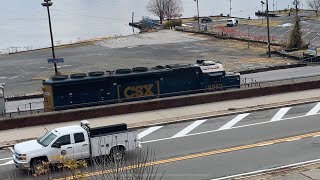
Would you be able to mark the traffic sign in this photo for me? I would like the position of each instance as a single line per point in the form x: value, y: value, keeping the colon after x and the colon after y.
x: 55, y: 60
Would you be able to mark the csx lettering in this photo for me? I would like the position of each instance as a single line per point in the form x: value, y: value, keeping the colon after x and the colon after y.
x: 215, y: 86
x: 138, y: 91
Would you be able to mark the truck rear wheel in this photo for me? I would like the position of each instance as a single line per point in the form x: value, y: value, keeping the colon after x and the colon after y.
x: 117, y: 153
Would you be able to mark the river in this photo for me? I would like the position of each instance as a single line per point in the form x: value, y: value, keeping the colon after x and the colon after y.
x: 24, y: 24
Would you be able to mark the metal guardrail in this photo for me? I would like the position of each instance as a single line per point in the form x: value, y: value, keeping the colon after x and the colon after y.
x: 250, y: 82
x: 21, y: 113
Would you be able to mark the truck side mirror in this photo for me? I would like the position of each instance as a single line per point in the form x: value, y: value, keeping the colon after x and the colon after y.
x: 56, y: 145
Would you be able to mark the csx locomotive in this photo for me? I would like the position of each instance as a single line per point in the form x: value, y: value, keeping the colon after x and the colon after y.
x: 139, y: 83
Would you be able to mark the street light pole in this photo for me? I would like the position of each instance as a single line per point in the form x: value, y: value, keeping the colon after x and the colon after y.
x: 48, y: 3
x: 273, y: 5
x: 296, y: 2
x: 230, y: 9
x: 269, y: 48
x: 198, y: 15
x: 262, y: 3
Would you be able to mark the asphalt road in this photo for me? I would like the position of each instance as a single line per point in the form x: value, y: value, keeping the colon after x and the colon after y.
x: 201, y: 149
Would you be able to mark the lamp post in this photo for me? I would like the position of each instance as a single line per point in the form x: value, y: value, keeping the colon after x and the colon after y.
x: 262, y: 3
x: 48, y: 3
x: 273, y: 5
x: 198, y: 14
x: 230, y: 9
x: 269, y: 48
x: 248, y: 36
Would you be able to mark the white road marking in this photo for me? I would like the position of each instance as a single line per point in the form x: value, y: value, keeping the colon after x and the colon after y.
x: 279, y: 115
x: 314, y: 37
x: 234, y: 121
x: 3, y: 77
x: 7, y: 163
x: 186, y: 130
x: 5, y: 158
x: 13, y: 77
x: 67, y: 65
x: 310, y: 31
x: 314, y: 110
x: 148, y: 131
x: 289, y: 29
x: 11, y: 149
x: 237, y: 127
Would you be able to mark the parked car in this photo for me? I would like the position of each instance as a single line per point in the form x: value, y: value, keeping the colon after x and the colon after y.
x: 206, y: 20
x: 76, y: 142
x: 232, y: 22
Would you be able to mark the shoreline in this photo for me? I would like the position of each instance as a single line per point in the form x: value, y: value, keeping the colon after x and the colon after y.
x: 78, y: 43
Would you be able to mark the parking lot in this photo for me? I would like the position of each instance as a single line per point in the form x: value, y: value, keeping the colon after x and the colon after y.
x: 256, y: 29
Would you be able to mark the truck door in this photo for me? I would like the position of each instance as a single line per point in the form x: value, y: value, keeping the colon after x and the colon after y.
x: 66, y: 148
x: 81, y: 146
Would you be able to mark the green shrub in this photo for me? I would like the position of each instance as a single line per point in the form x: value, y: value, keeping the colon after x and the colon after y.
x: 172, y: 23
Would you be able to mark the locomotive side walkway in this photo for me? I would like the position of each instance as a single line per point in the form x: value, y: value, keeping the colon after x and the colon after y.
x: 174, y: 115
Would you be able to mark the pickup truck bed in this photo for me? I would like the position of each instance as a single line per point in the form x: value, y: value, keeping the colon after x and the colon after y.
x: 101, y: 131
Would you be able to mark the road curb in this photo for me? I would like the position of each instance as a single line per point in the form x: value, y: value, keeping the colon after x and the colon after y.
x: 180, y: 119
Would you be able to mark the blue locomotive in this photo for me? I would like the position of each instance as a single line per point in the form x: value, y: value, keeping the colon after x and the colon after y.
x: 139, y: 83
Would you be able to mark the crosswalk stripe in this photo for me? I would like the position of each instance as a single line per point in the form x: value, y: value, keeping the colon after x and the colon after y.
x: 148, y: 131
x: 189, y: 128
x: 5, y: 158
x: 279, y: 115
x: 234, y: 121
x: 314, y: 110
x: 7, y: 163
x: 13, y: 77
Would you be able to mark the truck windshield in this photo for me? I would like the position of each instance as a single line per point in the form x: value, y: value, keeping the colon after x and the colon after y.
x: 46, y: 139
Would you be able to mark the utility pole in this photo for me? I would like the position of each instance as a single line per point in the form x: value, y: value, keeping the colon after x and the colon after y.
x: 296, y: 2
x: 230, y: 9
x: 269, y: 48
x: 47, y: 4
x: 198, y: 15
x: 248, y: 36
x: 273, y: 5
x: 262, y: 3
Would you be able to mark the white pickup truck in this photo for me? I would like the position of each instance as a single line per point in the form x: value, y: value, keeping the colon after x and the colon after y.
x: 76, y: 142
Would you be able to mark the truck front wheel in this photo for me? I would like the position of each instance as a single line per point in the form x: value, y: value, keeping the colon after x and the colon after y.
x: 35, y: 163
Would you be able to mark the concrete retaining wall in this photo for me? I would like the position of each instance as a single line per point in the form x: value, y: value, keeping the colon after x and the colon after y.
x: 155, y: 104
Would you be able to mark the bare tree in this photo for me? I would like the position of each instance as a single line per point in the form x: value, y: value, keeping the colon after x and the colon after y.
x: 314, y: 5
x: 173, y: 9
x: 165, y: 8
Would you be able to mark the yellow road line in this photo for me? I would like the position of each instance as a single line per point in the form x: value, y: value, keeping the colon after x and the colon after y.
x: 204, y: 154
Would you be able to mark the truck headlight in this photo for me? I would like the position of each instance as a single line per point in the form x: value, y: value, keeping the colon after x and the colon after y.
x: 22, y: 157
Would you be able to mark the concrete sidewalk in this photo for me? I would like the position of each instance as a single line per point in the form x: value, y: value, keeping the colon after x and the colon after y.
x: 176, y: 114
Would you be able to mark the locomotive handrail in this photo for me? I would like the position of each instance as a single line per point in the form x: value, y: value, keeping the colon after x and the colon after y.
x: 106, y: 102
